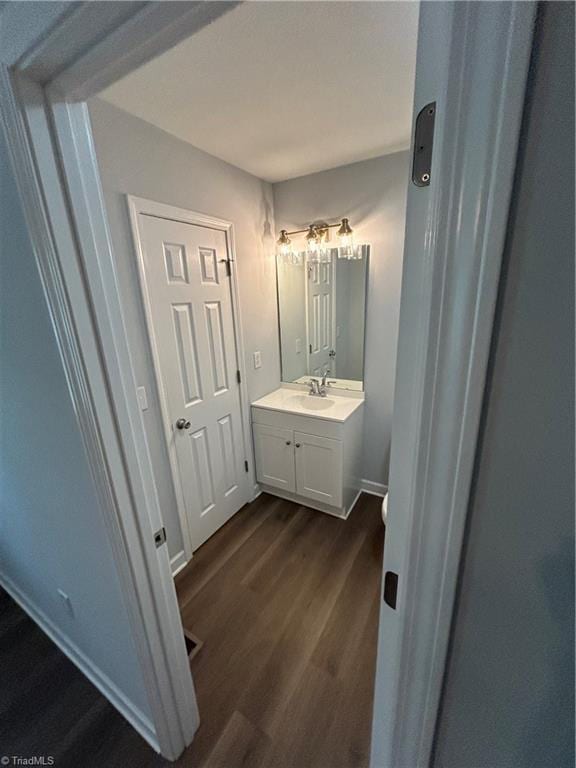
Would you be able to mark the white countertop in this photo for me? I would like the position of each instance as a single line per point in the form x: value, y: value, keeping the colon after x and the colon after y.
x: 333, y: 407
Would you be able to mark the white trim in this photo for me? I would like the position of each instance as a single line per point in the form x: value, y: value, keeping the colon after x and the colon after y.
x: 136, y: 207
x: 97, y: 677
x: 178, y: 562
x: 120, y: 478
x: 151, y: 30
x: 373, y: 488
x: 455, y: 233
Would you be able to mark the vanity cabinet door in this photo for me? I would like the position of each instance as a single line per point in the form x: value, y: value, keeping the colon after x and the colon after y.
x: 274, y: 449
x: 319, y: 468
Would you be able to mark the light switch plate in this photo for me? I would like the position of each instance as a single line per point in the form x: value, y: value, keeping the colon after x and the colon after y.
x: 257, y: 359
x: 298, y: 346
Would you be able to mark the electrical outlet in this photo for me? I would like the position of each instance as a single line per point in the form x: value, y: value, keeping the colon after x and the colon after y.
x: 257, y: 359
x: 66, y: 601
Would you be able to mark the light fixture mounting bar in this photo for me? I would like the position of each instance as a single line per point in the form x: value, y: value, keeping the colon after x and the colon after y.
x: 319, y: 226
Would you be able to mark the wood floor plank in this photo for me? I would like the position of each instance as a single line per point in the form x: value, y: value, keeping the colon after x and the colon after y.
x: 274, y: 612
x: 239, y: 745
x: 341, y: 643
x: 287, y: 602
x: 300, y: 742
x: 214, y: 554
x: 306, y: 618
x: 347, y: 742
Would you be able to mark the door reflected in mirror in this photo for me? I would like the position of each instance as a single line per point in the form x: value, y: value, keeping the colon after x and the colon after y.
x: 322, y: 310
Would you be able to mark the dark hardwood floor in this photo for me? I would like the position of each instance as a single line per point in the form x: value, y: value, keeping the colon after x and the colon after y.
x: 285, y: 600
x: 48, y: 708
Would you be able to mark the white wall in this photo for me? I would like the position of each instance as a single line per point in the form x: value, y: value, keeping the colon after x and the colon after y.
x: 372, y: 194
x: 509, y: 691
x: 52, y: 533
x: 137, y: 158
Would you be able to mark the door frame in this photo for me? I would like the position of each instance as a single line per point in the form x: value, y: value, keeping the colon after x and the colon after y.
x: 140, y: 205
x: 55, y: 58
x: 52, y: 59
x: 473, y: 62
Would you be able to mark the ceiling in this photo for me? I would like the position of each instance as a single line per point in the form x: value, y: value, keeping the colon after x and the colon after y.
x: 284, y: 89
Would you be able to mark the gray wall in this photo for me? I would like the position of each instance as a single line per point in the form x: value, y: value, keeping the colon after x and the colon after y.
x: 52, y: 533
x: 373, y: 195
x: 137, y: 158
x: 292, y: 319
x: 350, y: 318
x: 509, y: 689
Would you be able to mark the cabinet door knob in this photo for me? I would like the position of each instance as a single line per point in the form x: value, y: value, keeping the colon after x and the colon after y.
x: 288, y: 442
x: 297, y: 445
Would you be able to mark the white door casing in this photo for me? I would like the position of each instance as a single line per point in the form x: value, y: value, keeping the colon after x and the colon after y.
x: 320, y: 301
x: 186, y: 284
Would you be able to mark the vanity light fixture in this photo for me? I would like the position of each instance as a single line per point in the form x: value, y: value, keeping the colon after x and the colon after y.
x: 317, y: 243
x: 346, y: 249
x: 283, y: 243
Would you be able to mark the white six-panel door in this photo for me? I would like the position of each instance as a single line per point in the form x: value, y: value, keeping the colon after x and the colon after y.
x: 191, y: 324
x: 320, y: 318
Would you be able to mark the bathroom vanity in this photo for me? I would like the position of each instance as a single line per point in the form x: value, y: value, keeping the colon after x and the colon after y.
x: 308, y: 448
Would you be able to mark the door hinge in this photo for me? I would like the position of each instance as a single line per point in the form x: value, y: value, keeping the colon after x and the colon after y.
x: 227, y: 267
x: 310, y: 348
x: 245, y: 465
x: 390, y: 588
x: 238, y: 377
x: 423, y: 142
x: 160, y: 537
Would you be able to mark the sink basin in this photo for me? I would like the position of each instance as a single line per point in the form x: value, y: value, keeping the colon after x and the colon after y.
x: 312, y: 403
x: 336, y: 407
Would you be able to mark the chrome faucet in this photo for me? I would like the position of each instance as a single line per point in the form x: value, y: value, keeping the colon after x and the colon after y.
x: 314, y: 387
x: 317, y: 388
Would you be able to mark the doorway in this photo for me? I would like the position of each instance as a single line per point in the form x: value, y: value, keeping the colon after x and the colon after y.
x: 50, y: 135
x: 186, y: 279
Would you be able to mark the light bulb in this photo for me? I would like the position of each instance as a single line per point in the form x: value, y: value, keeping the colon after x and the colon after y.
x: 284, y: 244
x: 346, y: 240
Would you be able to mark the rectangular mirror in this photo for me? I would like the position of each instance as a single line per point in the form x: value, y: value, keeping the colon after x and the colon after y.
x: 322, y: 309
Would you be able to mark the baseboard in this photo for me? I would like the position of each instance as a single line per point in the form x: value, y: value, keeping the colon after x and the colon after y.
x: 178, y: 562
x: 376, y: 489
x: 97, y: 677
x: 303, y: 501
x: 256, y: 491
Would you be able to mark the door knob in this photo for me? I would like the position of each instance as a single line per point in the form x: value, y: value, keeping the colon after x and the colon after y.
x: 288, y: 442
x: 183, y: 424
x: 297, y: 445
